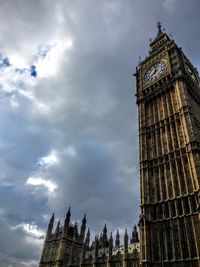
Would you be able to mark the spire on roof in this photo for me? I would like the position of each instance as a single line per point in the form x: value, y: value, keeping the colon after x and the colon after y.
x: 50, y: 226
x: 160, y: 32
x: 68, y: 215
x: 87, y: 239
x: 104, y: 237
x: 110, y: 242
x: 117, y: 240
x: 58, y: 227
x: 75, y: 229
x: 159, y: 25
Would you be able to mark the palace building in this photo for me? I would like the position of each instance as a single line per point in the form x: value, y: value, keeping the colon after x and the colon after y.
x: 168, y: 98
x: 66, y: 246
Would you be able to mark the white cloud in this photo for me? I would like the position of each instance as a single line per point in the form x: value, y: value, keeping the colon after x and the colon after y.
x: 17, y: 80
x: 49, y: 64
x: 18, y: 61
x: 31, y: 229
x: 27, y: 94
x: 49, y: 160
x: 37, y: 181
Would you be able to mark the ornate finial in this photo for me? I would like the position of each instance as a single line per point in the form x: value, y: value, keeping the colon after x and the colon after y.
x: 159, y: 25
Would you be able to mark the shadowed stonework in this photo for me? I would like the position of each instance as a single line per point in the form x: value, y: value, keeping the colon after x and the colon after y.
x: 168, y: 98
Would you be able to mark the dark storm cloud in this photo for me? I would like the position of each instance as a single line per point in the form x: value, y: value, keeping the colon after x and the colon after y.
x: 71, y: 138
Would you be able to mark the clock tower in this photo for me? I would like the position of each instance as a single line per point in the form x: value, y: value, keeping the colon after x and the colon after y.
x: 168, y: 98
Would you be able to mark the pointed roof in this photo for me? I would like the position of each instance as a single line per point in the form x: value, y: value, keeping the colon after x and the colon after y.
x: 159, y: 34
x: 88, y: 232
x: 135, y: 237
x: 117, y: 239
x: 52, y: 219
x: 75, y: 229
x: 68, y: 214
x: 58, y: 227
x: 111, y: 241
x: 84, y: 219
x: 105, y: 229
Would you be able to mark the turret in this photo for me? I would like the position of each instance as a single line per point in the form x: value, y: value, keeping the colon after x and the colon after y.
x: 125, y: 243
x: 75, y: 230
x: 110, y: 246
x: 57, y: 228
x: 87, y: 239
x: 135, y: 238
x: 50, y: 227
x: 101, y: 240
x: 67, y: 221
x: 105, y: 236
x: 96, y: 249
x: 83, y: 226
x: 117, y: 240
x: 86, y: 245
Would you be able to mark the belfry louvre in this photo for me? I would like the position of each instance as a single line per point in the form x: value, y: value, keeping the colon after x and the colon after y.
x: 168, y: 98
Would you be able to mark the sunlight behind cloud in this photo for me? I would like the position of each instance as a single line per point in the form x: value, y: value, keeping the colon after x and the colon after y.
x: 37, y: 181
x: 18, y: 61
x: 48, y: 65
x: 31, y: 229
x: 48, y: 160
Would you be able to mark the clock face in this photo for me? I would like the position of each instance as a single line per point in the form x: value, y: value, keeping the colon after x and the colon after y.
x: 155, y: 71
x: 191, y: 72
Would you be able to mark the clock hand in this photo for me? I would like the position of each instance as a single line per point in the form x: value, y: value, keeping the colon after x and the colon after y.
x: 155, y: 70
x: 152, y: 72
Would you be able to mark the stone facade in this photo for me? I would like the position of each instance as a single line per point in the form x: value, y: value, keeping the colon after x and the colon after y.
x: 66, y: 247
x: 168, y: 98
x: 63, y: 247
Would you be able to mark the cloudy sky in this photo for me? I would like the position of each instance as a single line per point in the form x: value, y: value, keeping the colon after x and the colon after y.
x: 68, y: 118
